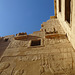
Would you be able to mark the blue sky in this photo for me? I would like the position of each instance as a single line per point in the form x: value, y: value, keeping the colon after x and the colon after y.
x: 24, y: 15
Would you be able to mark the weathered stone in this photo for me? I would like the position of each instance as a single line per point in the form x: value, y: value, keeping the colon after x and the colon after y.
x: 19, y: 72
x: 3, y: 66
x: 54, y: 55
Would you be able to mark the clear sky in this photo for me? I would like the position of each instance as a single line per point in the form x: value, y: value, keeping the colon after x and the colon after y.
x: 24, y: 15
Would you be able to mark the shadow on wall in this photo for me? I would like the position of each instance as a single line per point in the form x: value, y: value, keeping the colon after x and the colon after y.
x: 3, y: 45
x: 26, y: 38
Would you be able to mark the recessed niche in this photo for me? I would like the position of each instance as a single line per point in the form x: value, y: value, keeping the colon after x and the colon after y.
x: 6, y: 39
x: 67, y: 10
x: 59, y: 5
x: 35, y: 42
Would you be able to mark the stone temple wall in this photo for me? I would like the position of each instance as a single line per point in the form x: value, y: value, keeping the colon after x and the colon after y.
x: 52, y: 55
x: 45, y: 52
x: 69, y: 28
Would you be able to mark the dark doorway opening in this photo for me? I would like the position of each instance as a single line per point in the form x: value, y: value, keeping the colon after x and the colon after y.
x: 6, y: 39
x: 67, y: 10
x: 59, y: 5
x: 35, y: 42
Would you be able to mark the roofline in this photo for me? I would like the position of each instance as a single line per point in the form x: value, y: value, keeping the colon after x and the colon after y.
x: 55, y: 10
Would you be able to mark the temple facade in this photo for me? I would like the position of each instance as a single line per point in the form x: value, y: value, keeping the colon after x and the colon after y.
x: 65, y: 13
x: 50, y: 51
